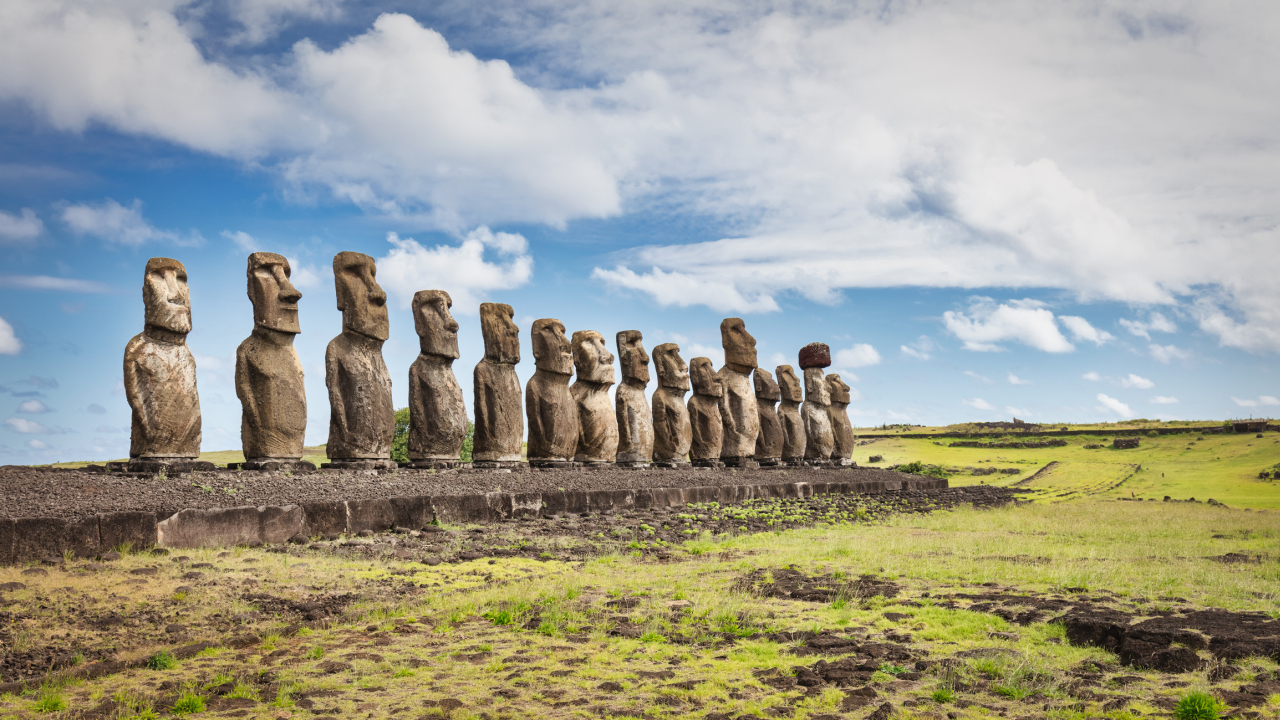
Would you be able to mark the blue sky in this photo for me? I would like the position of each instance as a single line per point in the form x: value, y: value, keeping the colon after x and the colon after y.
x: 1063, y: 213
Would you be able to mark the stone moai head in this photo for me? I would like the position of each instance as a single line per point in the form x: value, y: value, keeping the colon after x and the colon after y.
x: 274, y: 298
x: 739, y: 346
x: 166, y: 296
x: 672, y: 372
x: 705, y: 379
x: 591, y: 358
x: 789, y: 385
x: 551, y: 349
x: 766, y: 388
x: 635, y: 361
x: 361, y: 300
x: 436, y: 328
x: 837, y: 390
x: 501, y: 336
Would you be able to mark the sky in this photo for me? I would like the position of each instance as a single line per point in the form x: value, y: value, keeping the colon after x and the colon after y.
x: 1064, y: 212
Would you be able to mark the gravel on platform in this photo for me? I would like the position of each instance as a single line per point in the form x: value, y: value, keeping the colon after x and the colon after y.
x: 43, y: 492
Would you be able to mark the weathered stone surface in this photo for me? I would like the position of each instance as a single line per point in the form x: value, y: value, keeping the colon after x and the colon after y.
x: 841, y: 428
x: 815, y: 355
x: 437, y: 412
x: 362, y: 419
x: 704, y: 412
x: 635, y: 420
x: 499, y: 424
x: 738, y: 410
x: 550, y: 407
x: 672, y: 432
x: 597, y: 424
x: 819, y: 439
x: 324, y: 518
x: 159, y: 370
x: 770, y: 441
x: 39, y: 538
x: 136, y: 529
x: 269, y: 377
x: 792, y: 393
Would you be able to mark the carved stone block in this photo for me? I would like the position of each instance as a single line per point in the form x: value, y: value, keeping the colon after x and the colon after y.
x: 269, y: 377
x: 841, y: 428
x: 362, y: 421
x: 819, y: 439
x: 549, y: 406
x: 704, y: 414
x: 793, y: 437
x: 499, y: 424
x: 738, y: 410
x: 635, y: 420
x: 437, y: 410
x: 770, y: 442
x: 597, y: 422
x: 672, y: 432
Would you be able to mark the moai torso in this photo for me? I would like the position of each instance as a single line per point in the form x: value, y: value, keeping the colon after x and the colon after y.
x: 770, y: 441
x: 597, y: 424
x: 362, y: 422
x: 269, y: 378
x: 635, y: 421
x: 792, y: 393
x: 549, y: 406
x: 437, y: 411
x: 738, y: 411
x: 819, y: 440
x: 704, y: 411
x: 499, y: 430
x: 672, y: 433
x: 841, y: 428
x: 159, y: 370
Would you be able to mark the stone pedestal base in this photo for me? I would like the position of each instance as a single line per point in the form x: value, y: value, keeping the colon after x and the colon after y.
x: 549, y: 464
x: 771, y: 463
x: 793, y: 461
x: 632, y: 464
x: 670, y: 464
x: 499, y: 465
x: 436, y: 465
x: 360, y: 464
x: 273, y: 465
x: 715, y: 463
x: 843, y: 463
x: 597, y: 465
x: 817, y: 463
x: 744, y: 463
x: 168, y: 466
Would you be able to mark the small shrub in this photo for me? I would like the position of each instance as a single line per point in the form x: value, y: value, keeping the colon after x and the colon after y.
x: 315, y: 653
x: 163, y: 660
x: 1198, y: 706
x: 500, y: 617
x: 876, y: 458
x: 943, y: 695
x: 50, y: 700
x: 188, y: 703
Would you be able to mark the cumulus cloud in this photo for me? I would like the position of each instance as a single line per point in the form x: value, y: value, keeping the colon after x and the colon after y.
x: 33, y: 407
x: 1082, y: 331
x: 987, y: 323
x: 21, y: 227
x: 9, y: 342
x: 30, y: 427
x: 113, y: 222
x: 1155, y: 323
x: 461, y: 270
x: 860, y: 355
x: 1015, y: 380
x: 980, y: 378
x: 978, y: 403
x: 1091, y: 376
x: 263, y: 19
x: 1167, y: 353
x: 1164, y: 400
x: 242, y: 240
x: 1136, y: 381
x: 921, y: 349
x: 1114, y: 405
x: 35, y: 444
x: 1262, y: 400
x: 55, y: 284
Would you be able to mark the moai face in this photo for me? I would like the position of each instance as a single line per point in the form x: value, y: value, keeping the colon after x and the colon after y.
x: 815, y: 387
x: 766, y: 388
x: 591, y: 358
x: 704, y: 377
x: 166, y: 296
x: 837, y: 390
x: 635, y: 361
x: 672, y: 371
x: 274, y: 298
x: 789, y: 385
x: 501, y: 336
x: 739, y: 346
x: 551, y: 349
x: 437, y: 330
x: 361, y: 300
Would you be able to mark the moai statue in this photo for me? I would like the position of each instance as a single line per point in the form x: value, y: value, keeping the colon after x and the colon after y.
x: 269, y: 378
x: 738, y: 404
x: 597, y: 426
x: 499, y: 430
x: 635, y: 422
x: 770, y: 441
x: 672, y: 433
x: 437, y: 411
x: 704, y: 414
x: 160, y: 375
x: 362, y: 420
x: 819, y: 440
x: 841, y: 428
x: 552, y: 412
x: 793, y: 439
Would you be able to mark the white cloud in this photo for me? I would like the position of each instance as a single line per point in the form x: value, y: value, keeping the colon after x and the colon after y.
x: 9, y: 342
x: 860, y: 355
x: 978, y: 403
x: 243, y: 240
x: 56, y: 284
x: 715, y: 354
x: 685, y: 289
x: 263, y: 19
x: 1164, y: 400
x: 1114, y: 405
x: 1157, y: 322
x: 1167, y: 353
x: 21, y: 227
x: 1092, y: 376
x: 775, y: 360
x: 306, y: 277
x: 980, y: 378
x: 32, y: 407
x: 116, y: 223
x: 461, y: 270
x: 30, y: 427
x: 1082, y: 331
x: 920, y: 349
x: 1262, y: 400
x: 1016, y: 412
x: 1015, y: 380
x: 35, y: 444
x: 988, y: 323
x: 1136, y: 381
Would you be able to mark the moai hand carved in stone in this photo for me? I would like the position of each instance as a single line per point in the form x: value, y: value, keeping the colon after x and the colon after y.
x: 738, y: 404
x: 269, y: 377
x: 672, y: 433
x: 160, y: 373
x: 819, y: 439
x: 437, y: 411
x: 635, y: 421
x: 499, y: 430
x: 841, y: 428
x: 362, y: 420
x: 552, y: 412
x: 597, y: 425
x: 704, y: 414
x: 770, y: 441
x: 793, y: 439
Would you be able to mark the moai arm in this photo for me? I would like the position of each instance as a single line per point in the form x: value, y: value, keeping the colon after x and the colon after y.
x: 244, y: 388
x: 133, y: 385
x: 332, y: 380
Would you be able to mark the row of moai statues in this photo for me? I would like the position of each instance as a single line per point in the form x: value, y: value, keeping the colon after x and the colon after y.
x: 730, y: 420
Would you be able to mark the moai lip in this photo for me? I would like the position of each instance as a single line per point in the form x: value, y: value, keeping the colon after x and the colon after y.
x: 437, y: 410
x: 631, y: 407
x: 672, y: 432
x: 269, y: 378
x: 549, y: 406
x: 597, y: 423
